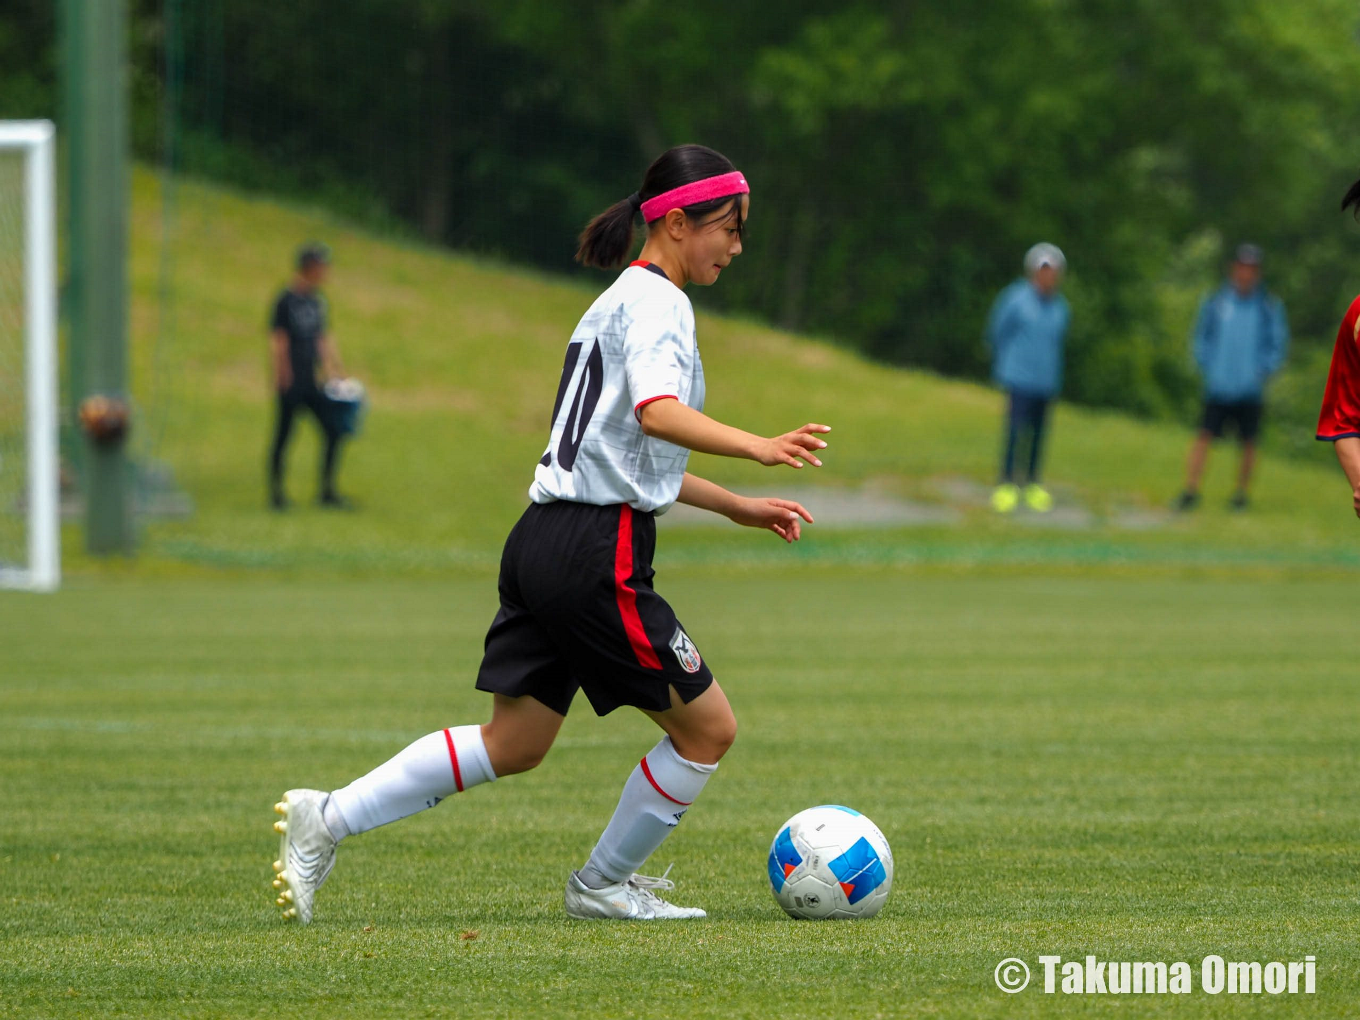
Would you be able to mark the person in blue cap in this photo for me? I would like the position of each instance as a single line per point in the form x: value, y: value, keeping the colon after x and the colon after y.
x: 1026, y: 331
x: 1240, y: 340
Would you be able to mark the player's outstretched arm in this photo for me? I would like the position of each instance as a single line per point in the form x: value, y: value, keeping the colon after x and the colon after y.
x: 680, y: 424
x: 1348, y: 452
x: 782, y: 516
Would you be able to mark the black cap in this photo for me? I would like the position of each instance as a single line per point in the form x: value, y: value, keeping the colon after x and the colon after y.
x: 1248, y: 255
x: 313, y: 253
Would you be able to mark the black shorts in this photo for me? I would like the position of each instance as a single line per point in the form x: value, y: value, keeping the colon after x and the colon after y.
x: 578, y: 611
x: 1245, y: 416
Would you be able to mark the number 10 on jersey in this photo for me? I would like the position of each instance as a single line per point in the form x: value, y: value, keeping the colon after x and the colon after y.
x: 589, y: 383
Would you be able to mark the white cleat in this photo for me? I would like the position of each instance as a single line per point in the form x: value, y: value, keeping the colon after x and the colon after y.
x: 633, y: 900
x: 306, y: 852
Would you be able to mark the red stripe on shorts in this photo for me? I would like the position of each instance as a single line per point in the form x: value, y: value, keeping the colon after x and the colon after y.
x: 657, y: 786
x: 626, y: 596
x: 453, y: 757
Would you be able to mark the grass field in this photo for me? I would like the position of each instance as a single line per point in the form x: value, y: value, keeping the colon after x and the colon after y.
x: 1139, y: 768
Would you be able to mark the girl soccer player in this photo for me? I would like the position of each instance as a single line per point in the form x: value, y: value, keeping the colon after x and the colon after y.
x: 577, y: 606
x: 1339, y: 420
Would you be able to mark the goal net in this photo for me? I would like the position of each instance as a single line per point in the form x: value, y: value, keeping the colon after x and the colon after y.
x: 29, y: 552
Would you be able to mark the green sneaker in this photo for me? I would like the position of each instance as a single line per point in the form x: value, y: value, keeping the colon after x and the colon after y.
x: 1005, y: 498
x: 1037, y: 498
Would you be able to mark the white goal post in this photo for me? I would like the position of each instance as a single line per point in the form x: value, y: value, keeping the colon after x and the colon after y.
x: 29, y: 304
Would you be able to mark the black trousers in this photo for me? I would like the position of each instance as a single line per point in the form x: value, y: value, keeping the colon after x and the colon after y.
x: 290, y: 402
x: 1025, y: 420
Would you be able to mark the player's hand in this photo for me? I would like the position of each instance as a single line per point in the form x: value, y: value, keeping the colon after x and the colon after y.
x: 788, y: 448
x: 782, y: 516
x: 1355, y: 500
x: 285, y: 379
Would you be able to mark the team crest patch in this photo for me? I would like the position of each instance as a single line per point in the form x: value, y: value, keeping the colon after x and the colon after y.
x: 685, y: 652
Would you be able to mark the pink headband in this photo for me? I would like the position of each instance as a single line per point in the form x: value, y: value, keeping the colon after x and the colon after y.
x: 692, y: 194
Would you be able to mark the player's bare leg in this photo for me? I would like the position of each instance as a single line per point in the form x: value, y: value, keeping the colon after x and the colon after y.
x: 703, y: 730
x: 1239, y: 499
x: 1194, y: 470
x: 519, y: 734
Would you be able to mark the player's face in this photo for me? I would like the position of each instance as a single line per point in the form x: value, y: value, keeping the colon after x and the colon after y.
x: 711, y: 246
x: 1245, y: 277
x: 1047, y: 279
x: 315, y: 274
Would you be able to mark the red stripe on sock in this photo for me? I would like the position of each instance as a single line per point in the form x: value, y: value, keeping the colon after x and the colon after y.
x: 453, y: 757
x: 627, y: 597
x: 657, y: 787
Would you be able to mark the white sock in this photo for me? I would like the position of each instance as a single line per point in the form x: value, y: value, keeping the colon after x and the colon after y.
x: 656, y: 796
x: 335, y: 821
x: 434, y: 767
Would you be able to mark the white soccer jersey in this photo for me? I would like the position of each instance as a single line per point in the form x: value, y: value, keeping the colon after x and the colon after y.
x: 636, y: 344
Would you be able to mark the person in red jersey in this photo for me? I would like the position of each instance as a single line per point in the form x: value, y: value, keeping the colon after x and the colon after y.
x: 1339, y: 422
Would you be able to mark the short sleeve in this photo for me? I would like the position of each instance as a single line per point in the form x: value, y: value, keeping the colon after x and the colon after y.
x: 658, y: 356
x: 279, y: 318
x: 1340, y: 415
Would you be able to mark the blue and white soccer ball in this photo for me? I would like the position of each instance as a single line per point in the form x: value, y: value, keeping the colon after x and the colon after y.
x: 830, y: 862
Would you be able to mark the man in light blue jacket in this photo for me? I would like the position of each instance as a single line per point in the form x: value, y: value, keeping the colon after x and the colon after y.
x: 1240, y: 341
x: 1026, y: 331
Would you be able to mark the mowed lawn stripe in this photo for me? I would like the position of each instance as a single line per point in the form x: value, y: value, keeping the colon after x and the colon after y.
x: 1141, y: 769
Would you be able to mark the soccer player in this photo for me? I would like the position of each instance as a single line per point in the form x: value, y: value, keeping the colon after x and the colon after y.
x: 1026, y: 331
x: 1240, y: 340
x: 578, y: 609
x: 298, y: 341
x: 1339, y: 421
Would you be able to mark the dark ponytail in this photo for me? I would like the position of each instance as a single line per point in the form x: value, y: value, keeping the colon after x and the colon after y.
x: 1352, y: 199
x: 608, y: 239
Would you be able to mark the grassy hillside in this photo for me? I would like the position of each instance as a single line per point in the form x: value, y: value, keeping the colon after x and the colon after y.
x: 462, y: 359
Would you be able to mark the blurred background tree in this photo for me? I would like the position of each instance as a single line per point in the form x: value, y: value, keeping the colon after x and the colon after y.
x: 903, y: 155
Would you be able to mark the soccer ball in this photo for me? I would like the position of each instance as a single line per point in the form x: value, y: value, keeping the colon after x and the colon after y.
x: 830, y: 862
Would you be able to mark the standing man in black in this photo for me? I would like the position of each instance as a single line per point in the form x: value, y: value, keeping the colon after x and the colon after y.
x: 298, y: 341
